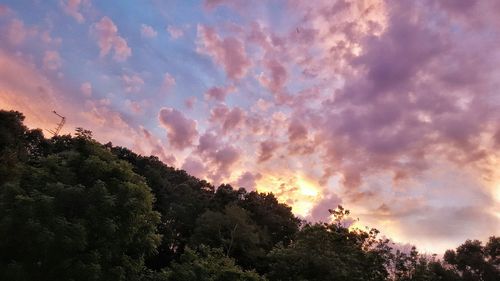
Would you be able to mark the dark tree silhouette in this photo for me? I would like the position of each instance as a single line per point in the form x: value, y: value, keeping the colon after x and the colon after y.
x: 77, y: 213
x: 74, y: 209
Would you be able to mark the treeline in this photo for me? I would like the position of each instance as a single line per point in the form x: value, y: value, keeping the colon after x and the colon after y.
x: 74, y: 209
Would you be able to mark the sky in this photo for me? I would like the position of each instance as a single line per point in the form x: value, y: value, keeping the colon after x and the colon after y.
x: 390, y: 108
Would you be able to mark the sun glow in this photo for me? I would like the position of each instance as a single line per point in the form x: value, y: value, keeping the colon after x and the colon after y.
x: 496, y: 192
x: 496, y: 197
x: 307, y: 187
x: 297, y: 191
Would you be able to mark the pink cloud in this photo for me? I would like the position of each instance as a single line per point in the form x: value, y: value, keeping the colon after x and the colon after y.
x: 211, y: 4
x: 148, y: 31
x: 4, y: 10
x: 263, y: 105
x: 109, y: 39
x: 218, y: 113
x: 277, y: 78
x: 181, y: 131
x: 267, y: 149
x: 248, y: 180
x: 218, y: 93
x: 52, y: 60
x: 296, y: 131
x: 135, y: 106
x: 132, y: 83
x: 226, y: 157
x: 320, y: 211
x: 459, y: 6
x: 100, y: 114
x: 47, y: 39
x: 228, y: 52
x: 156, y: 147
x: 369, y: 98
x: 194, y: 166
x: 17, y: 32
x: 229, y: 119
x: 221, y: 156
x: 208, y: 143
x: 400, y: 104
x: 168, y: 81
x: 234, y: 117
x: 190, y: 102
x: 23, y: 88
x: 298, y: 138
x: 175, y: 32
x: 261, y: 36
x: 86, y: 89
x: 72, y: 8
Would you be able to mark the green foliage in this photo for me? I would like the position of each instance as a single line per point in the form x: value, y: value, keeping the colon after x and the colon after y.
x: 73, y: 209
x: 492, y: 251
x: 471, y: 261
x: 330, y: 252
x: 476, y: 262
x: 76, y: 214
x: 275, y: 218
x: 208, y: 264
x: 17, y: 144
x: 414, y: 267
x: 234, y: 232
x: 180, y: 199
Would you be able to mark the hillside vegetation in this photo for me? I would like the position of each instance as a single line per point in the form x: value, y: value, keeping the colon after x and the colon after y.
x: 74, y: 209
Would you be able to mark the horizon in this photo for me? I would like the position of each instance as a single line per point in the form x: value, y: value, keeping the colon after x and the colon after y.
x: 388, y: 108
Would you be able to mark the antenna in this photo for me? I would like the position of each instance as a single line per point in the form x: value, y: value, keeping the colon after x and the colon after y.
x: 56, y: 131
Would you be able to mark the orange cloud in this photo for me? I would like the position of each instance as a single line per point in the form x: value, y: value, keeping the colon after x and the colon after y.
x: 24, y: 89
x: 297, y: 190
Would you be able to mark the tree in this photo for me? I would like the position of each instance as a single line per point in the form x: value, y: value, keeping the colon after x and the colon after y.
x: 330, y: 251
x: 275, y: 218
x: 413, y: 266
x: 180, y: 199
x: 208, y: 265
x: 492, y: 251
x: 77, y: 213
x: 18, y: 144
x: 474, y: 261
x: 234, y: 232
x: 73, y: 209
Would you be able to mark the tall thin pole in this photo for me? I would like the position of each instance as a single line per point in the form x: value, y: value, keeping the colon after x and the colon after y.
x: 56, y: 131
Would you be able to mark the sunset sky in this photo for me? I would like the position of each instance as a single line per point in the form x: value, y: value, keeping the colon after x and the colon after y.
x: 390, y: 108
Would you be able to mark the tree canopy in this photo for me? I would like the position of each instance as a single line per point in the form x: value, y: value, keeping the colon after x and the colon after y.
x: 71, y: 210
x: 74, y: 209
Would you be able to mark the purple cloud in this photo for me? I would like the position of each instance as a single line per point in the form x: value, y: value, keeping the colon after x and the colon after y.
x: 181, y: 131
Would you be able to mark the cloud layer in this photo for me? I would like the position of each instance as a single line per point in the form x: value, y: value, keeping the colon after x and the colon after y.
x: 388, y: 107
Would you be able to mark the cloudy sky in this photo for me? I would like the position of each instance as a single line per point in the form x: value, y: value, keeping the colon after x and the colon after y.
x: 390, y: 108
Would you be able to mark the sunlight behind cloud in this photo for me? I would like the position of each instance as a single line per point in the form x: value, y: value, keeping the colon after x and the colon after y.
x: 295, y: 190
x: 496, y: 191
x: 307, y: 187
x: 496, y: 197
x: 388, y: 108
